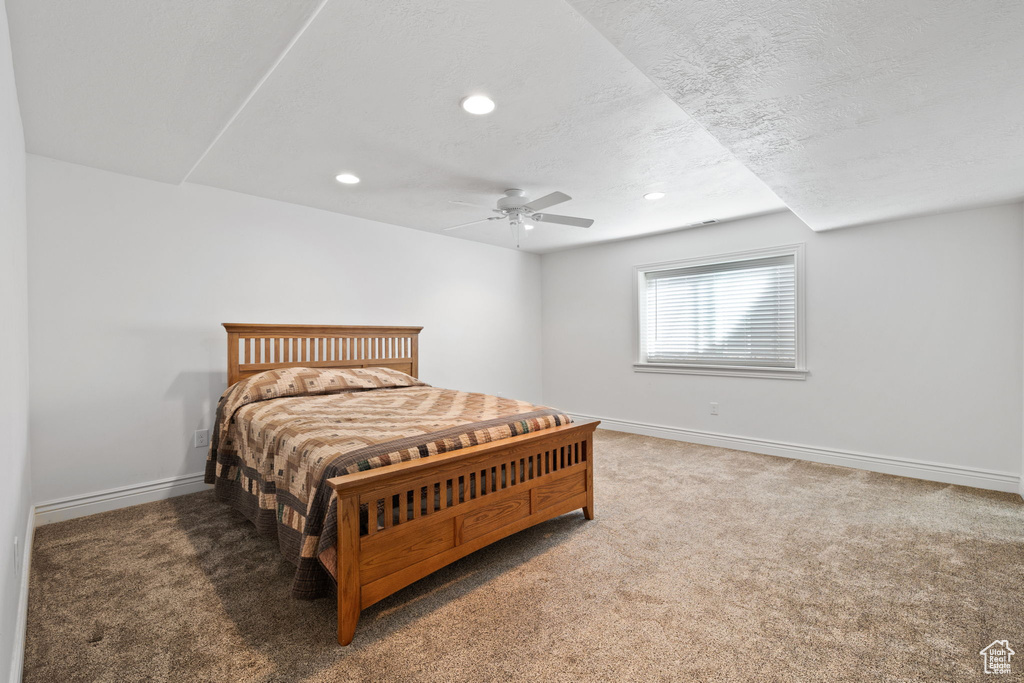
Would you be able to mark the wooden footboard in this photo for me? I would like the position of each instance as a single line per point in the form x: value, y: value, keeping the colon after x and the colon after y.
x: 439, y: 509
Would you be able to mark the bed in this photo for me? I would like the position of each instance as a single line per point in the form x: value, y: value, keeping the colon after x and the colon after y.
x: 371, y: 479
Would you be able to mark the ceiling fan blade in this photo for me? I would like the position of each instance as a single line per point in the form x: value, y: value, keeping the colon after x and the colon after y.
x: 474, y: 205
x: 564, y: 220
x: 548, y: 200
x: 462, y: 225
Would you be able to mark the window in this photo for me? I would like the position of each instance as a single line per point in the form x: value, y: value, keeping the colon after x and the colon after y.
x: 736, y: 314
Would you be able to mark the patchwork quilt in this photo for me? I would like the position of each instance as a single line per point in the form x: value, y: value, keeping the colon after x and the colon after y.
x: 281, y: 434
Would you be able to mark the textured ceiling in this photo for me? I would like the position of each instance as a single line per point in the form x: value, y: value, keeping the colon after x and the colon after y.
x: 141, y: 87
x: 374, y: 88
x: 850, y: 111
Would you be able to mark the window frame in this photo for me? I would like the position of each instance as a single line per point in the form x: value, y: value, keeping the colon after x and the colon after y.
x: 799, y: 372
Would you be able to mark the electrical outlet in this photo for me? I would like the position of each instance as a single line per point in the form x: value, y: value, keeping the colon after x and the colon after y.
x: 202, y: 438
x: 714, y: 408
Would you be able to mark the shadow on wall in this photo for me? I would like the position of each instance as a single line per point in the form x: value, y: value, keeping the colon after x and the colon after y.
x: 158, y: 353
x: 198, y: 393
x: 296, y: 639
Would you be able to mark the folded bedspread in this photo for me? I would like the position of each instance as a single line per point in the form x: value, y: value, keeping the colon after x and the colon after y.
x: 280, y: 435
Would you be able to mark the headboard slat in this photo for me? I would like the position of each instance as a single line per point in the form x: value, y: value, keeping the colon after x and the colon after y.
x: 256, y: 348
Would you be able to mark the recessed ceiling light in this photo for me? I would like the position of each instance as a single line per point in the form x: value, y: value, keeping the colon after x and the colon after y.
x: 478, y: 104
x: 347, y: 178
x: 654, y: 195
x: 528, y: 226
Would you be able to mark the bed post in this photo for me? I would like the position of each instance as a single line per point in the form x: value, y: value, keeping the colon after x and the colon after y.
x: 232, y: 357
x: 349, y: 593
x: 415, y: 353
x: 588, y: 452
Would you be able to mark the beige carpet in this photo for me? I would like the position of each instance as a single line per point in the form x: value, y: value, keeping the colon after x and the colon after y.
x: 703, y: 564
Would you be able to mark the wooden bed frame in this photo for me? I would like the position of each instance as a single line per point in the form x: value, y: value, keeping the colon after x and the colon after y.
x: 436, y: 509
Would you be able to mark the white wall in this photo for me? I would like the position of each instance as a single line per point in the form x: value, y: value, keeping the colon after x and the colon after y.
x: 130, y: 280
x: 15, y: 492
x: 913, y: 334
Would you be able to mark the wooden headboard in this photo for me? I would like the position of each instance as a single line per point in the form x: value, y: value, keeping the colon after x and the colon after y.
x: 255, y: 348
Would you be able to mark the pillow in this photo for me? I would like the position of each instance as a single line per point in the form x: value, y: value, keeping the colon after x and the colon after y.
x: 302, y: 381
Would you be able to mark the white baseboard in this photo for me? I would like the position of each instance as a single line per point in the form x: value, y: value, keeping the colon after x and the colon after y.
x: 112, y: 499
x: 905, y: 467
x: 21, y: 620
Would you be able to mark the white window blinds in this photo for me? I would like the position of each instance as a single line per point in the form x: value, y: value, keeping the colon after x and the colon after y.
x: 740, y: 313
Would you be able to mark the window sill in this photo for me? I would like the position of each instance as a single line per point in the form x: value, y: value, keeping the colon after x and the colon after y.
x: 723, y: 370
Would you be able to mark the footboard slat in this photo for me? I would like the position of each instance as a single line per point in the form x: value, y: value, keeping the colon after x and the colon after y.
x: 452, y: 504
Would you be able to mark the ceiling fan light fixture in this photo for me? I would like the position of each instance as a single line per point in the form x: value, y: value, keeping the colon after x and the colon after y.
x: 478, y: 104
x: 347, y: 178
x: 651, y: 196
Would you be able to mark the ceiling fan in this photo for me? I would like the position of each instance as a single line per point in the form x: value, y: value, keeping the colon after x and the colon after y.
x: 520, y: 211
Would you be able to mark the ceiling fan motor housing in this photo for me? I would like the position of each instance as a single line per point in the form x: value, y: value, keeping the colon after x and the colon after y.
x: 513, y: 199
